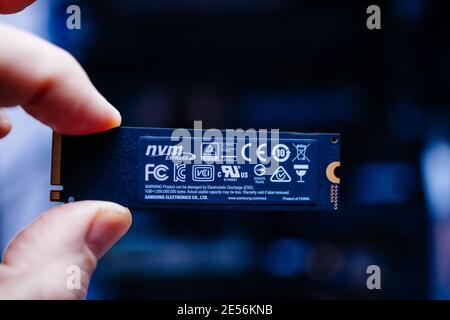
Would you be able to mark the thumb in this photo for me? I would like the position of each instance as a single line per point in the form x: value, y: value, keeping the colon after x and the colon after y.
x: 39, y: 262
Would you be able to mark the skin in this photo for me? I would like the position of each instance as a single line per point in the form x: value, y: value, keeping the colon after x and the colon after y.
x: 51, y: 86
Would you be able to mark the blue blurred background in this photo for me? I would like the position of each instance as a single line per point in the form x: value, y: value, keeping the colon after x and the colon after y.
x: 309, y: 66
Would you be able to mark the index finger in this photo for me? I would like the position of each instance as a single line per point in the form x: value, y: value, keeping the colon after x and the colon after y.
x: 12, y: 6
x: 50, y: 85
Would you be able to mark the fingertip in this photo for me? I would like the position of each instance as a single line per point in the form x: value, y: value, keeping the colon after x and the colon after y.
x: 95, y: 115
x: 116, y: 118
x: 13, y: 6
x: 110, y: 223
x: 108, y: 117
x: 5, y: 124
x: 111, y: 116
x: 75, y: 234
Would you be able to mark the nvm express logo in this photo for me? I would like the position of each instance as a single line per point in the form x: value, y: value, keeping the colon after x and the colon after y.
x: 174, y: 153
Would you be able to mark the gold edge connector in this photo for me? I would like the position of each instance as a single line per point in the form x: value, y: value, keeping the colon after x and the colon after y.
x: 55, y: 196
x: 56, y: 160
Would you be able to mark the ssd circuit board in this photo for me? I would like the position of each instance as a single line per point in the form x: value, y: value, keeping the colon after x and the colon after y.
x: 192, y: 169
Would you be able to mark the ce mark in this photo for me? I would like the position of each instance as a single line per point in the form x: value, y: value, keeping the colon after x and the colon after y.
x: 280, y: 153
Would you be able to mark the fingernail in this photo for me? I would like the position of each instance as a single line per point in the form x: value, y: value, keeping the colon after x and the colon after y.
x: 117, y: 116
x: 4, y: 118
x: 115, y: 119
x: 111, y: 222
x: 113, y: 116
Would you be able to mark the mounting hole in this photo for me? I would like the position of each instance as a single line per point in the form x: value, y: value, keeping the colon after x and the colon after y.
x: 337, y: 172
x: 71, y: 199
x: 334, y: 139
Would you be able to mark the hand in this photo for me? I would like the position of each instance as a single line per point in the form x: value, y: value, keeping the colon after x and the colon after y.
x: 52, y: 87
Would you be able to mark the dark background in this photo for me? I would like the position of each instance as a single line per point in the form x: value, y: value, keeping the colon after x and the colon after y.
x: 309, y: 66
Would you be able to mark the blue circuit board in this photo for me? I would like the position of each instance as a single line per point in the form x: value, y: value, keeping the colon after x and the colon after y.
x: 152, y: 168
